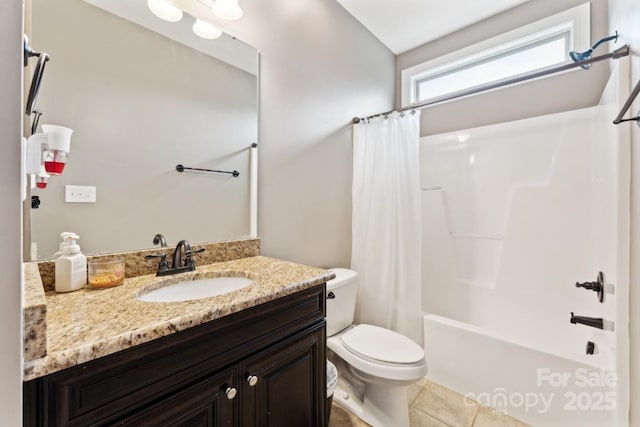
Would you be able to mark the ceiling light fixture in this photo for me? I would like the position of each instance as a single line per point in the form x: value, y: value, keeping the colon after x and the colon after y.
x: 224, y: 9
x: 163, y: 9
x: 206, y: 30
x: 227, y: 9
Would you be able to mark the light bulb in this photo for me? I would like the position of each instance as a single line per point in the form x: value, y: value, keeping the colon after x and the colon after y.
x: 206, y: 30
x: 227, y: 9
x: 163, y: 9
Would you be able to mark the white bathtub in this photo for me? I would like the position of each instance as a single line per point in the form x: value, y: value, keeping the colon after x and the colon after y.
x: 514, y: 215
x: 534, y: 386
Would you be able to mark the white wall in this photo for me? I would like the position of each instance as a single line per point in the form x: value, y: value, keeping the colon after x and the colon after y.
x: 318, y: 69
x: 565, y: 92
x: 624, y: 16
x: 11, y: 212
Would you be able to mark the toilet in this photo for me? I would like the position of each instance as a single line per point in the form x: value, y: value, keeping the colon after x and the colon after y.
x: 375, y: 364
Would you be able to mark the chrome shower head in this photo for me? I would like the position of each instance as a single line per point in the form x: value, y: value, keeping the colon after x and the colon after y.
x: 582, y: 56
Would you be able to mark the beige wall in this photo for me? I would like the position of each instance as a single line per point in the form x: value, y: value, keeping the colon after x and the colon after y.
x: 624, y: 16
x: 563, y: 92
x: 319, y: 68
x: 11, y: 223
x: 140, y: 104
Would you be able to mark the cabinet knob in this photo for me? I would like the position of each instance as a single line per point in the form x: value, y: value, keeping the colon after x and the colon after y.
x: 230, y: 392
x: 252, y: 380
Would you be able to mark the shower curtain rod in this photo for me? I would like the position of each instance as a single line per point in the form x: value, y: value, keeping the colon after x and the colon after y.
x: 627, y: 105
x: 618, y: 53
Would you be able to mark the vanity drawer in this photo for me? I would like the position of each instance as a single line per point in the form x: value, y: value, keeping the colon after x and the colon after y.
x: 108, y: 388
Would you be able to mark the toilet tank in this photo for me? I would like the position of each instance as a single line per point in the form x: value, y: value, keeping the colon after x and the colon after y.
x: 341, y: 308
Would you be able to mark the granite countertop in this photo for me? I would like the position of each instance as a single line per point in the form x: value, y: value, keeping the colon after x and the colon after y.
x: 91, y: 323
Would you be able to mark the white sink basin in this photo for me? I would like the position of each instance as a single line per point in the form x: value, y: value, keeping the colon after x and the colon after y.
x: 195, y: 289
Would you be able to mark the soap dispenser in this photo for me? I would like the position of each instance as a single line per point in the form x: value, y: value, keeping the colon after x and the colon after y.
x: 63, y: 242
x: 71, y: 266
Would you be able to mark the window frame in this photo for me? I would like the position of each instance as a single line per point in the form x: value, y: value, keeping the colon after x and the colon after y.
x: 575, y: 22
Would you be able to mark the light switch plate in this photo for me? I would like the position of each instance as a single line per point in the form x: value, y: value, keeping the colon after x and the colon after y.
x: 79, y: 194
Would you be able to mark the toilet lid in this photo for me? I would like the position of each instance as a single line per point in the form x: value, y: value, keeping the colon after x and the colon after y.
x: 382, y: 344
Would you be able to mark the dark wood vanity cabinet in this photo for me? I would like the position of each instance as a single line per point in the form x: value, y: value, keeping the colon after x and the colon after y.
x: 204, y: 403
x: 285, y: 393
x: 263, y: 366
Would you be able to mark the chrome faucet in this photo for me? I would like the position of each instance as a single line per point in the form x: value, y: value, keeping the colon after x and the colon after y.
x: 159, y: 239
x: 183, y: 249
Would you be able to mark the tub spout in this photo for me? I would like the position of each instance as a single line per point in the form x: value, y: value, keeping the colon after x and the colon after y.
x: 594, y: 322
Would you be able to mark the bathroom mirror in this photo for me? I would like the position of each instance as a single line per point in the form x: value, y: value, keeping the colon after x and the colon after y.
x: 143, y: 95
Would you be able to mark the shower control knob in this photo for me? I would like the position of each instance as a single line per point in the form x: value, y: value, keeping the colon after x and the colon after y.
x: 593, y: 286
x: 231, y: 393
x: 252, y: 380
x: 597, y: 286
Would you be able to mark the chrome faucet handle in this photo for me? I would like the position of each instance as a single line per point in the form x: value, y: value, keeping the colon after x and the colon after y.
x: 188, y: 259
x: 163, y: 265
x: 598, y: 286
x: 195, y: 251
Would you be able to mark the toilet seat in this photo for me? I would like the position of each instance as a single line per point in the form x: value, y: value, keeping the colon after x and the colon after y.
x: 405, y: 373
x: 382, y: 345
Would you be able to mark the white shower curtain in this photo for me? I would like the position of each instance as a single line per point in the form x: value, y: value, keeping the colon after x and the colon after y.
x: 386, y: 222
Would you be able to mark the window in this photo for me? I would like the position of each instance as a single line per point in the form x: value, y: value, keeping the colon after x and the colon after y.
x: 541, y: 44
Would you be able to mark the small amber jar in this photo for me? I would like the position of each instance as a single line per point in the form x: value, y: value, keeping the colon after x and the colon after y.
x: 106, y: 274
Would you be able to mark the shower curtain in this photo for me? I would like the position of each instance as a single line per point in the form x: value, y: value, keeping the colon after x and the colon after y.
x: 386, y: 222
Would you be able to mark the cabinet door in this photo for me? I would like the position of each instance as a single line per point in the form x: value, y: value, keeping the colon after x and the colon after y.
x: 286, y: 384
x: 207, y: 403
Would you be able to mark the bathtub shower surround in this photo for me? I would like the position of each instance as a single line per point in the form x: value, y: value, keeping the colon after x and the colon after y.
x: 514, y: 215
x: 386, y: 222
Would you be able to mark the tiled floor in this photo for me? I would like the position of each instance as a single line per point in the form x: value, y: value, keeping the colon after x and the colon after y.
x: 342, y: 418
x: 431, y: 405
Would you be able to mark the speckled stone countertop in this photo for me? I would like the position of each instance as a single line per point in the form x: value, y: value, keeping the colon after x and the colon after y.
x: 34, y: 314
x: 91, y: 323
x: 40, y: 277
